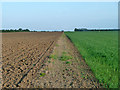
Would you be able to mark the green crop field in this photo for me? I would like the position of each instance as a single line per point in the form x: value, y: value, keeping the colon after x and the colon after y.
x: 100, y: 51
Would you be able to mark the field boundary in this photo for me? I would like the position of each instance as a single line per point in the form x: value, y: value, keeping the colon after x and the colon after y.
x: 64, y: 69
x: 80, y: 56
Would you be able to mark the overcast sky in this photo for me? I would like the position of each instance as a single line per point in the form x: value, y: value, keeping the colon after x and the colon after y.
x: 59, y: 15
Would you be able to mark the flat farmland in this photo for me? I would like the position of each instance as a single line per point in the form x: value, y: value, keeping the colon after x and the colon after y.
x: 23, y: 54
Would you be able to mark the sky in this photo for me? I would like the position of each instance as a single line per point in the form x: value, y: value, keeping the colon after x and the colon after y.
x: 59, y: 15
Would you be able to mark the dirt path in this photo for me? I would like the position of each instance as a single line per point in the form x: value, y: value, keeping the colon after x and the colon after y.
x: 65, y: 68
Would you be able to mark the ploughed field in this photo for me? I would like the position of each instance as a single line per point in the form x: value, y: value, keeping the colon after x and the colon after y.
x: 23, y: 54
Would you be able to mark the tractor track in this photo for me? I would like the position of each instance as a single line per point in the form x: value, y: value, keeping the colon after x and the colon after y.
x: 34, y: 66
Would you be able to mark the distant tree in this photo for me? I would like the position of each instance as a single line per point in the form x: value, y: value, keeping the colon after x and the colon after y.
x: 15, y: 30
x: 11, y: 30
x: 75, y: 29
x: 20, y: 29
x: 26, y: 30
x: 83, y: 29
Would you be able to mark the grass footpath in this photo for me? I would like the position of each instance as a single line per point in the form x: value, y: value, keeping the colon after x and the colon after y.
x: 100, y: 51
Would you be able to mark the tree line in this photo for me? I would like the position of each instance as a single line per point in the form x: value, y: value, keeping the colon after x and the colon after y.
x: 15, y: 30
x: 85, y: 29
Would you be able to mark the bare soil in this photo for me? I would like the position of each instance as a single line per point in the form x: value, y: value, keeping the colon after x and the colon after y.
x: 33, y: 60
x: 59, y: 74
x: 23, y: 55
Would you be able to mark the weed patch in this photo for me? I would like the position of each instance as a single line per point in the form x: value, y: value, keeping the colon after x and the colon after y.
x: 65, y: 57
x: 49, y: 61
x: 53, y: 56
x: 68, y: 62
x: 57, y: 45
x: 42, y: 74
